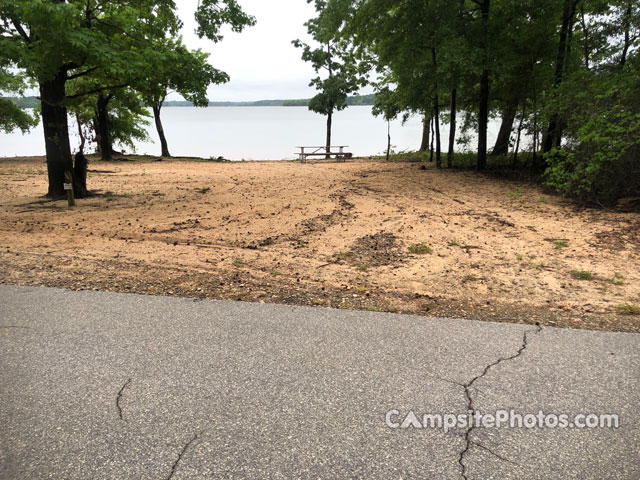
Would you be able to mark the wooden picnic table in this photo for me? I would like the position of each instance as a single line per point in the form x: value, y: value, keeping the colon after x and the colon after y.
x: 310, y: 151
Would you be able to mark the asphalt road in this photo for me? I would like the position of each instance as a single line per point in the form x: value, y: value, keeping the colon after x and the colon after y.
x: 114, y: 386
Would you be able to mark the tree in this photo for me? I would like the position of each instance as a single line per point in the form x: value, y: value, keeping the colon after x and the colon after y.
x: 12, y: 115
x: 418, y: 41
x: 387, y: 106
x: 598, y: 101
x: 55, y: 41
x: 115, y: 115
x: 554, y: 131
x: 174, y: 68
x: 342, y: 73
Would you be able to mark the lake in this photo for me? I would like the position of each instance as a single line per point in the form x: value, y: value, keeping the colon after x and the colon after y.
x: 257, y: 133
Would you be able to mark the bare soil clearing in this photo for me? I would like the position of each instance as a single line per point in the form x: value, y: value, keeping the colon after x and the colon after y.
x: 347, y: 235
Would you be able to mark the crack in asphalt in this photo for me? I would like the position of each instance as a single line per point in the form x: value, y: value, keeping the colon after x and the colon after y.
x: 119, y: 397
x: 470, y: 407
x: 181, y: 454
x: 497, y: 455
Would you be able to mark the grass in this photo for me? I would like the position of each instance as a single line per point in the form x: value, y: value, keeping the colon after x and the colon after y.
x: 461, y: 160
x: 110, y: 196
x: 616, y: 279
x: 515, y: 194
x: 581, y: 274
x: 17, y: 171
x: 371, y: 308
x: 454, y: 243
x: 469, y: 278
x: 628, y: 309
x: 238, y: 262
x: 558, y: 244
x: 420, y: 248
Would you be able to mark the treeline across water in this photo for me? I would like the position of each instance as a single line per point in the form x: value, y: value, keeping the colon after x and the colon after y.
x: 34, y: 102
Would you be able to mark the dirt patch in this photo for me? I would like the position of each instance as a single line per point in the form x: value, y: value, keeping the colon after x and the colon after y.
x: 620, y: 236
x: 375, y: 250
x: 362, y: 234
x: 321, y: 222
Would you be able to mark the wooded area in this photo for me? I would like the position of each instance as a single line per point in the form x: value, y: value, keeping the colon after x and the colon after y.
x: 563, y: 76
x: 564, y: 73
x: 103, y: 62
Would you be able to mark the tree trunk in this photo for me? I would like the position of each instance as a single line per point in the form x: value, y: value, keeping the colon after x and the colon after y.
x: 552, y: 136
x: 80, y: 161
x: 388, y: 139
x: 534, y: 160
x: 483, y: 120
x: 157, y: 106
x: 506, y: 126
x: 80, y: 134
x: 432, y: 139
x: 436, y: 120
x: 328, y: 143
x: 436, y: 110
x: 483, y: 114
x: 80, y: 172
x: 56, y: 136
x: 102, y: 127
x: 627, y: 41
x: 424, y: 145
x: 585, y: 42
x: 518, y: 136
x: 452, y: 128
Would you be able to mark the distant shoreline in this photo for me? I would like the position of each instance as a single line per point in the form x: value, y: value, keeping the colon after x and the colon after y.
x: 356, y: 100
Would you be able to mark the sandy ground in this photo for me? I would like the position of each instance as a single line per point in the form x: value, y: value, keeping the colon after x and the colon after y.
x: 347, y: 235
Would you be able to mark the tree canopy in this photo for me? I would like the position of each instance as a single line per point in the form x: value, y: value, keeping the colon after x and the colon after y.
x: 111, y: 46
x: 339, y: 72
x: 564, y: 71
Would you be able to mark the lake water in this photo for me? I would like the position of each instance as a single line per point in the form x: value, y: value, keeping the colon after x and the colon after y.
x: 257, y: 133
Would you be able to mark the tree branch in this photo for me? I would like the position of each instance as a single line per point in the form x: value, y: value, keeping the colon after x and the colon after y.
x: 122, y: 30
x: 98, y: 90
x: 82, y: 74
x: 21, y: 30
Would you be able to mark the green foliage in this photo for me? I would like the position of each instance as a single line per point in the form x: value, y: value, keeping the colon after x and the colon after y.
x: 616, y: 279
x: 604, y: 164
x: 581, y: 274
x: 335, y: 57
x: 128, y: 119
x: 572, y: 63
x: 238, y: 262
x: 173, y: 67
x: 420, y: 248
x: 112, y: 45
x: 599, y: 163
x: 12, y: 117
x: 212, y: 15
x: 628, y: 309
x: 12, y: 111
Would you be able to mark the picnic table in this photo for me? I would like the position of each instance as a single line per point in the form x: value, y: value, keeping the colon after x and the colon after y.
x: 335, y: 150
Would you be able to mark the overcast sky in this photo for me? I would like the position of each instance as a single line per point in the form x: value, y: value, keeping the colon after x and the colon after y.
x: 261, y: 61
